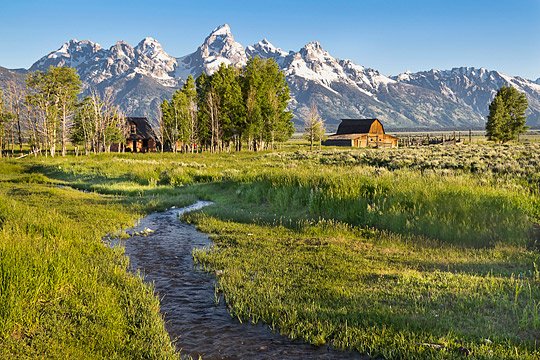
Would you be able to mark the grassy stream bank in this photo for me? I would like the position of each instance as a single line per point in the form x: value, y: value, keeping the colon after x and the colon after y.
x: 344, y: 248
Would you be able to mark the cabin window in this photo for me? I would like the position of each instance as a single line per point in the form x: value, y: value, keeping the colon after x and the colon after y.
x: 133, y: 128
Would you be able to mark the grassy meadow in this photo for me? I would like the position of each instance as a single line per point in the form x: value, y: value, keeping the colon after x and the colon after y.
x: 416, y: 253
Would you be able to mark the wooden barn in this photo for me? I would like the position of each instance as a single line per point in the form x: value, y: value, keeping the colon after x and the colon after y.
x: 361, y: 133
x: 140, y: 138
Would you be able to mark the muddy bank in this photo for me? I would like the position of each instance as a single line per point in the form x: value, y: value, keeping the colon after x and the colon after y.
x: 161, y: 248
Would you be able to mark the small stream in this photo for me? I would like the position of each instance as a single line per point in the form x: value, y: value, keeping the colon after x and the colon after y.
x: 198, y: 325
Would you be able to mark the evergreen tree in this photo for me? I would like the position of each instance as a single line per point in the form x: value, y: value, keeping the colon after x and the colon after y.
x: 230, y: 107
x: 506, y: 119
x: 203, y: 112
x: 190, y: 91
x: 252, y: 88
x: 226, y: 83
x: 266, y: 96
x: 278, y: 124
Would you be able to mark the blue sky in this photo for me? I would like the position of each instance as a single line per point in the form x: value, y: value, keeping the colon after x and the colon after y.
x: 389, y: 35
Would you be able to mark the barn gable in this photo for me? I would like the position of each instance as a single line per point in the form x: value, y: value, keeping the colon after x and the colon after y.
x: 361, y: 133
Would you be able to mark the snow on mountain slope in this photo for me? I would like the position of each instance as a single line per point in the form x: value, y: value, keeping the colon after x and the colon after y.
x: 72, y: 54
x: 218, y: 48
x: 152, y: 60
x: 140, y: 77
x: 119, y: 60
x: 266, y: 50
x: 314, y: 63
x: 475, y: 87
x: 341, y: 88
x: 95, y: 64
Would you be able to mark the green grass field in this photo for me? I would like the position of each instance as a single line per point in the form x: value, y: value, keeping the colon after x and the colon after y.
x: 414, y: 253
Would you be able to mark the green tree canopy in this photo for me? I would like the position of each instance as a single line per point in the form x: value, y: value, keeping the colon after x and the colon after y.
x: 231, y: 107
x: 266, y: 96
x: 507, y: 118
x: 54, y: 93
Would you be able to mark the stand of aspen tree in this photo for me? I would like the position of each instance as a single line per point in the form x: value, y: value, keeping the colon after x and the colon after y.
x: 229, y: 109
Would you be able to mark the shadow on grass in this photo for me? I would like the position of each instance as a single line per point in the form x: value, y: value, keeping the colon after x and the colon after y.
x: 144, y: 197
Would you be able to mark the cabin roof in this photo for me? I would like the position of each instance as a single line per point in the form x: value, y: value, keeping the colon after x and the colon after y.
x: 144, y: 130
x: 355, y: 126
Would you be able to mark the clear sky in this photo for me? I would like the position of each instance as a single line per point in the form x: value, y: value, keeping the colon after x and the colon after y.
x: 389, y: 35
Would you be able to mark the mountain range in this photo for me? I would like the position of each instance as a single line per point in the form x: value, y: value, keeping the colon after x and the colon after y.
x: 139, y: 78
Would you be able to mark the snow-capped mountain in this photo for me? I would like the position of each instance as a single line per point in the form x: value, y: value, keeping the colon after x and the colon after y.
x: 72, y: 54
x: 218, y: 48
x: 266, y: 50
x: 96, y: 65
x: 139, y: 77
x: 475, y: 88
x: 341, y: 88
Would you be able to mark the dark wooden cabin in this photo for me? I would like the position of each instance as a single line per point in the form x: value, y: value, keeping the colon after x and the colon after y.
x: 140, y: 138
x: 361, y: 133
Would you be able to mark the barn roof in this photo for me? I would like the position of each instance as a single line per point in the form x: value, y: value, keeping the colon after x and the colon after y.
x: 355, y: 126
x: 144, y: 130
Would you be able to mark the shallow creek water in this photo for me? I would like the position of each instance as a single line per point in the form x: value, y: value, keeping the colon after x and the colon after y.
x: 198, y: 325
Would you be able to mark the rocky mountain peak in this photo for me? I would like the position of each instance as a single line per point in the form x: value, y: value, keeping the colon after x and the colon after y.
x: 74, y: 45
x: 72, y: 54
x: 149, y: 46
x: 121, y: 49
x: 313, y: 53
x: 221, y: 42
x: 151, y: 50
x: 266, y: 50
x: 221, y: 30
x: 218, y: 48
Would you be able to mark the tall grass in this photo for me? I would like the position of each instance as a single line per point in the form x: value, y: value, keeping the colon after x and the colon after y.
x: 458, y: 208
x: 63, y: 293
x: 411, y: 261
x: 374, y: 292
x: 452, y: 210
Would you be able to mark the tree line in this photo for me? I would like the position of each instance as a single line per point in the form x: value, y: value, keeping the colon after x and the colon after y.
x: 229, y: 109
x: 47, y: 114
